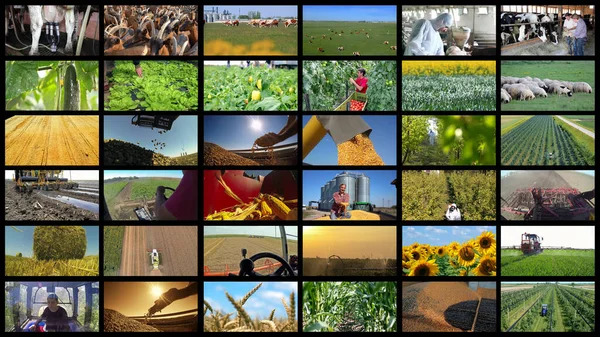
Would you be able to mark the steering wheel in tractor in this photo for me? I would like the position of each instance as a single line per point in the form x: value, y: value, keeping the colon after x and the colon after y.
x: 247, y: 265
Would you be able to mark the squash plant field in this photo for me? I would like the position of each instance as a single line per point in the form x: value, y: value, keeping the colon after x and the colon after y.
x: 326, y: 84
x: 165, y: 86
x: 51, y: 85
x: 250, y: 89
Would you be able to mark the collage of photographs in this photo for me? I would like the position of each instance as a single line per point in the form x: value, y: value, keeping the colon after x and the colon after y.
x: 490, y: 154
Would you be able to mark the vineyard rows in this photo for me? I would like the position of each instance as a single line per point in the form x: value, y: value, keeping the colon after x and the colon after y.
x: 569, y: 309
x: 541, y: 141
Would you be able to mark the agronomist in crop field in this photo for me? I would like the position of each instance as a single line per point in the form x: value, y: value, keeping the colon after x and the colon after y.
x: 341, y: 200
x: 425, y: 37
x: 361, y: 81
x: 183, y: 203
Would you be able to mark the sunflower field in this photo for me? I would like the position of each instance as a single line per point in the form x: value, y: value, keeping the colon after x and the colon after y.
x: 449, y: 85
x: 475, y: 257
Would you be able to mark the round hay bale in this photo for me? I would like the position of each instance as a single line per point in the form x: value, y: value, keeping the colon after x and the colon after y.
x: 19, y: 254
x: 59, y: 242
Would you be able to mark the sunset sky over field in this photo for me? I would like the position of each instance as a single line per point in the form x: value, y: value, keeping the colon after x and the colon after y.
x: 349, y: 241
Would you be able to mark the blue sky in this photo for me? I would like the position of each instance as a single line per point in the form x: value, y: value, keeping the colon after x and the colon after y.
x: 183, y: 134
x: 265, y: 11
x: 380, y: 183
x: 442, y: 235
x: 139, y: 173
x: 17, y: 242
x: 504, y: 173
x: 349, y: 13
x: 383, y: 137
x: 253, y: 230
x: 267, y: 298
x: 236, y: 133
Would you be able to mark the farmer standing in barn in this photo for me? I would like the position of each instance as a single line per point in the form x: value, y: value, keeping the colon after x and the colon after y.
x: 341, y: 200
x: 425, y: 37
x: 580, y: 35
x: 361, y: 81
x: 569, y: 26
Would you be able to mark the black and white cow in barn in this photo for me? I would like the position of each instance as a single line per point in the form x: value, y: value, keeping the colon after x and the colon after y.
x: 48, y: 18
x: 547, y: 29
x: 530, y: 27
x: 510, y: 31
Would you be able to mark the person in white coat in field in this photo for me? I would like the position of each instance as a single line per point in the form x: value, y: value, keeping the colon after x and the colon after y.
x: 425, y: 37
x: 453, y: 213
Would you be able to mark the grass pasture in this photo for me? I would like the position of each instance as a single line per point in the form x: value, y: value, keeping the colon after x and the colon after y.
x: 247, y: 40
x: 586, y: 121
x: 572, y: 71
x: 25, y: 266
x: 373, y: 45
x: 554, y: 262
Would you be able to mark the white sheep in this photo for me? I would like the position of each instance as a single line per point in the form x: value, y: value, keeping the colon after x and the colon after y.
x: 582, y: 87
x: 504, y: 96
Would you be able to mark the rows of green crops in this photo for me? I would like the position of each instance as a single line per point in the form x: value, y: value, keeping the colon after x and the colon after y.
x: 560, y: 262
x: 349, y: 306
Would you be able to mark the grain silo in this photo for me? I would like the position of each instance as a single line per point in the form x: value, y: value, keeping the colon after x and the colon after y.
x: 364, y: 189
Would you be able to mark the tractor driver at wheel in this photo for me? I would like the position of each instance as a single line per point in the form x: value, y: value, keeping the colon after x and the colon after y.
x: 361, y: 81
x: 183, y: 204
x: 453, y: 213
x: 56, y: 316
x: 341, y: 200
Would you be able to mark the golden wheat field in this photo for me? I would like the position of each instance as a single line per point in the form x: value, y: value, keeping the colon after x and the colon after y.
x: 448, y: 68
x: 474, y: 257
x: 217, y: 320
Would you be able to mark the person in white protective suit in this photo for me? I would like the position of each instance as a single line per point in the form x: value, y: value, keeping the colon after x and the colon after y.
x: 425, y: 37
x: 453, y: 213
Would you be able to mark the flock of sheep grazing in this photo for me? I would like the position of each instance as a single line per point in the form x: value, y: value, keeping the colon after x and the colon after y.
x: 527, y: 88
x: 151, y: 30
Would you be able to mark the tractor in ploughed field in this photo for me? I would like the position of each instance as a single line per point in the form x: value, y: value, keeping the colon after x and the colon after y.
x: 531, y: 244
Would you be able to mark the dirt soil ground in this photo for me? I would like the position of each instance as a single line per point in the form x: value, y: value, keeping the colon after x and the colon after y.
x: 52, y: 140
x: 219, y: 252
x: 178, y: 246
x: 23, y: 206
x: 444, y: 306
x: 118, y: 152
x: 114, y: 321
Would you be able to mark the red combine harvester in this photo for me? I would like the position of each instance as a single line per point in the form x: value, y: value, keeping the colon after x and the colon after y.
x: 551, y: 204
x: 531, y: 244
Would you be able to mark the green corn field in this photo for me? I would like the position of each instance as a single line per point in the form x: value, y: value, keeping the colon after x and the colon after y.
x: 349, y: 306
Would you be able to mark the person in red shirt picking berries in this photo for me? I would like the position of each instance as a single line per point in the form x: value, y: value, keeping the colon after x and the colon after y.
x: 361, y: 81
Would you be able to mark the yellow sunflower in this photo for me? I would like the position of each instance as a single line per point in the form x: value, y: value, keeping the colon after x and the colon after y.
x: 416, y: 254
x: 486, y: 242
x: 415, y: 245
x: 441, y: 251
x: 486, y: 267
x: 453, y: 248
x: 424, y: 268
x: 466, y: 254
x: 406, y: 265
x: 406, y: 256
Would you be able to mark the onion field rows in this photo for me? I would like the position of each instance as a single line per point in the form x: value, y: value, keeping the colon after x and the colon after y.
x: 541, y: 141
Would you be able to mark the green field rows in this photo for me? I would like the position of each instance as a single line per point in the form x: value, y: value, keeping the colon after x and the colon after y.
x: 559, y: 262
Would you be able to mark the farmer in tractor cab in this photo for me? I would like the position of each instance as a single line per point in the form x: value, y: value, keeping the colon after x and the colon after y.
x: 56, y: 317
x: 341, y: 200
x: 361, y: 81
x: 183, y: 204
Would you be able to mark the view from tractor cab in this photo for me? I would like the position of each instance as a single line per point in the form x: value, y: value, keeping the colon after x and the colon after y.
x: 29, y: 305
x: 547, y: 195
x: 251, y: 250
